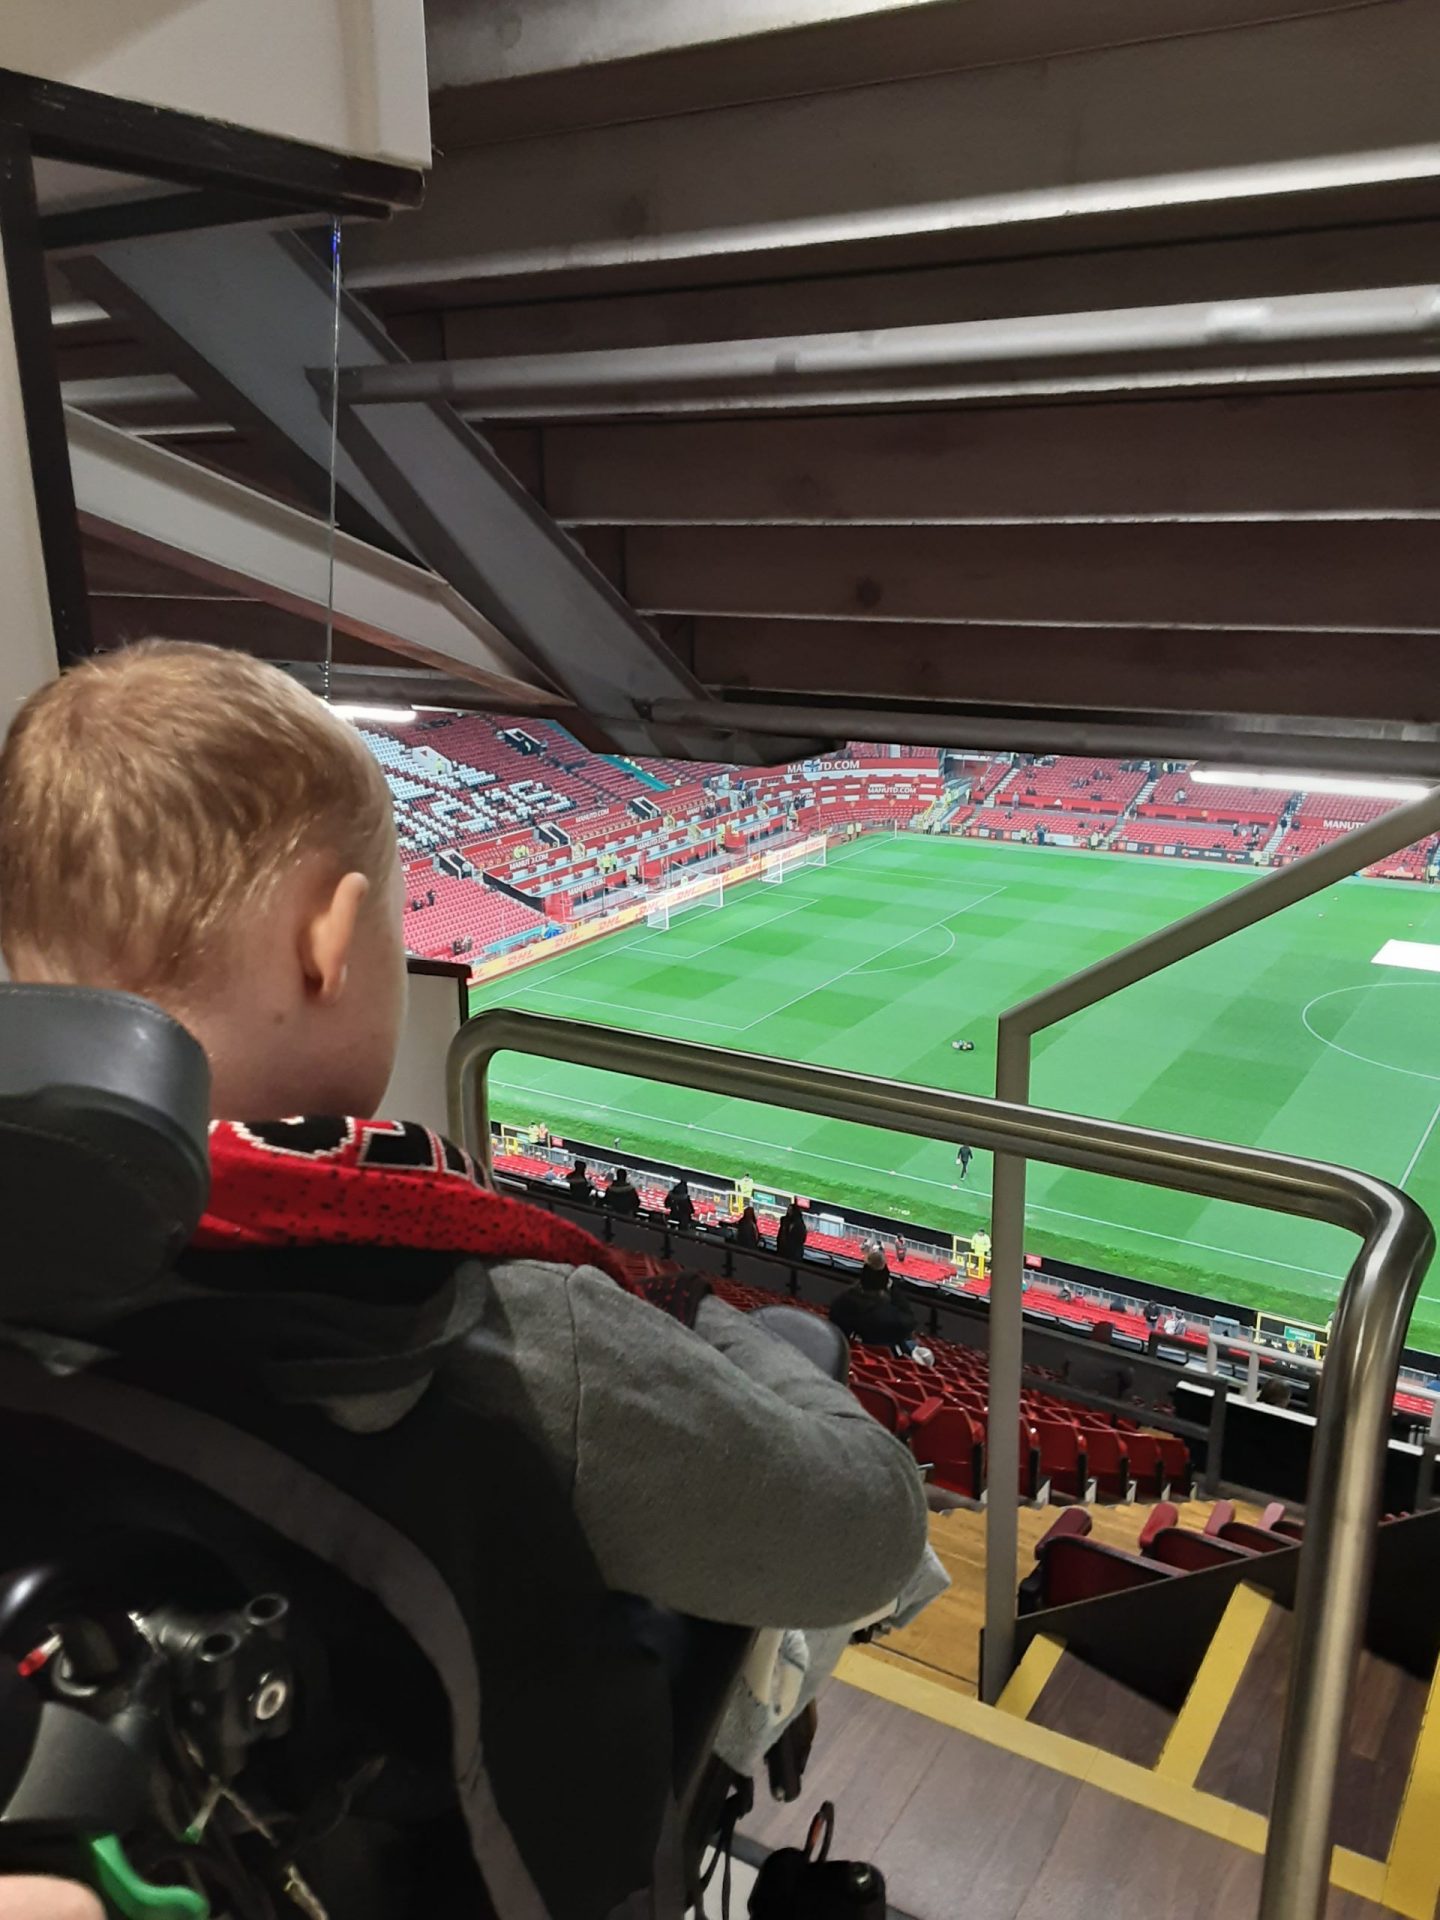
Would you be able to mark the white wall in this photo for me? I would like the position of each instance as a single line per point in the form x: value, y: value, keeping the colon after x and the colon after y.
x: 344, y: 74
x: 417, y: 1086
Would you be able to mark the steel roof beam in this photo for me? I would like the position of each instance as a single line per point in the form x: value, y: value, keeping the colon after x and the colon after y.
x: 1298, y: 122
x: 156, y: 504
x: 247, y: 315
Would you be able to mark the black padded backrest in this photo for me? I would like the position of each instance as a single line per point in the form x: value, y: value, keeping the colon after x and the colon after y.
x: 104, y: 1164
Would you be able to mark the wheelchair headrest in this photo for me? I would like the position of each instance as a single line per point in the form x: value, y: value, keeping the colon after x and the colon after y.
x: 104, y: 1163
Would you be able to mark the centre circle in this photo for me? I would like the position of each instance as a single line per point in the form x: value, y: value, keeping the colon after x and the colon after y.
x: 1389, y: 1027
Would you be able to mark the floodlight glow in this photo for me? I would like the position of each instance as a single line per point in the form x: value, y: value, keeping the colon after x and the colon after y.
x: 1357, y: 786
x: 392, y: 716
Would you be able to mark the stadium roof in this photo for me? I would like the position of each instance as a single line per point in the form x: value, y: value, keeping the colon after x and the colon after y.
x: 845, y: 367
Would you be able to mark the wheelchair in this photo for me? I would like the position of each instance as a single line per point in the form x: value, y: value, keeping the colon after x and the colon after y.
x: 230, y: 1688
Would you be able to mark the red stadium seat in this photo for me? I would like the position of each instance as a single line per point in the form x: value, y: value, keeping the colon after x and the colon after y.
x: 879, y: 1402
x: 1063, y: 1460
x: 1109, y: 1461
x: 1074, y: 1568
x: 952, y: 1446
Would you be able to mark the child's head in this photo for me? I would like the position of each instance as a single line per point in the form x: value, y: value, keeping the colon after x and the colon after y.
x: 191, y: 825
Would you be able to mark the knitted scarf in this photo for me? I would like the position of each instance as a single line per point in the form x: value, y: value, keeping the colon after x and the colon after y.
x: 389, y: 1183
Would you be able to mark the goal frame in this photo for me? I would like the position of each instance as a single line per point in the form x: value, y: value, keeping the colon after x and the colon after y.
x: 776, y: 867
x: 703, y: 895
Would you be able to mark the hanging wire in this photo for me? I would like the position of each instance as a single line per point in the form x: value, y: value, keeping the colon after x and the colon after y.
x: 334, y: 452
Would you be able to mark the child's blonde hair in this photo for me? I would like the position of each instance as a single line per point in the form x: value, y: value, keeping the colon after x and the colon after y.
x: 153, y: 796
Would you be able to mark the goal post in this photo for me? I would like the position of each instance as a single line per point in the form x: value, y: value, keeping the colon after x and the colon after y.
x: 779, y: 865
x: 691, y: 896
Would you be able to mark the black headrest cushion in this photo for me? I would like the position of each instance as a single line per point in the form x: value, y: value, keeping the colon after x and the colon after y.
x: 104, y: 1163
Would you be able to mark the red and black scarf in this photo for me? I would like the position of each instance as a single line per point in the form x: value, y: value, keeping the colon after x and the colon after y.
x: 388, y: 1183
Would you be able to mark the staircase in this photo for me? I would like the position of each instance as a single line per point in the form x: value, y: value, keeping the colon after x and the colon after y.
x: 1220, y: 1749
x: 1128, y: 1770
x: 938, y: 815
x: 1132, y: 811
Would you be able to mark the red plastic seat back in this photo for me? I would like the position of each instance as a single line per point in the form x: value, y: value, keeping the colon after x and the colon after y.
x: 1189, y: 1552
x: 1079, y: 1569
x: 879, y: 1402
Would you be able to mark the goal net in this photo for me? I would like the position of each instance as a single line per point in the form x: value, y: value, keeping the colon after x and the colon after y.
x: 784, y: 861
x: 691, y: 896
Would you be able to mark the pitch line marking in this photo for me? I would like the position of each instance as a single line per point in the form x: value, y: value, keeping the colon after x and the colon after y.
x: 822, y: 986
x: 1415, y: 1156
x: 926, y: 960
x: 620, y: 1006
x: 1365, y: 1059
x: 1368, y: 1060
x: 696, y: 953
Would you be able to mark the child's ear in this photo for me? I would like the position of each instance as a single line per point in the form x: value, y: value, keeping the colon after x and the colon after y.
x: 327, y: 938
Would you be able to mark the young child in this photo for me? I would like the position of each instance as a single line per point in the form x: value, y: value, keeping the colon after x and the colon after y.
x: 191, y: 825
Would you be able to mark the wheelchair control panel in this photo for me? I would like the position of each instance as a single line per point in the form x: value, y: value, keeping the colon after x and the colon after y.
x: 124, y: 1737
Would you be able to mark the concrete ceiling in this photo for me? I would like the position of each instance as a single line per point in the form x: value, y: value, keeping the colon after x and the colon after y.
x: 934, y: 355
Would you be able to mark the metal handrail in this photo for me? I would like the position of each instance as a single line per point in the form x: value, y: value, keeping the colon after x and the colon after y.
x: 1362, y: 1361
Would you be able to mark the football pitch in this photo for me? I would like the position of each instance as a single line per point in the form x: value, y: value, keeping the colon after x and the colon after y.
x: 1287, y: 1036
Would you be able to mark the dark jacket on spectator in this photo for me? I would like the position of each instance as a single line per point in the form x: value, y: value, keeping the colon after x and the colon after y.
x: 578, y: 1181
x: 680, y: 1206
x: 747, y: 1229
x: 621, y: 1197
x: 791, y: 1234
x: 873, y: 1316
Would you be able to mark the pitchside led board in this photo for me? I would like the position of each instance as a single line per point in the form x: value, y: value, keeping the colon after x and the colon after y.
x: 1293, y: 1336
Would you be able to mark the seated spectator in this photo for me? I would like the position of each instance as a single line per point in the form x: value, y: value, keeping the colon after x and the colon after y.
x: 747, y: 1229
x: 870, y: 1312
x: 230, y: 854
x: 621, y: 1197
x: 680, y: 1206
x: 578, y: 1181
x: 792, y: 1233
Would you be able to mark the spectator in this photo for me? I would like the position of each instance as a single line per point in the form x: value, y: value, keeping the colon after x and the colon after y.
x: 869, y: 1311
x: 792, y: 1233
x: 1275, y: 1392
x: 578, y: 1181
x: 680, y: 1206
x: 747, y: 1229
x: 621, y: 1197
x: 644, y: 1426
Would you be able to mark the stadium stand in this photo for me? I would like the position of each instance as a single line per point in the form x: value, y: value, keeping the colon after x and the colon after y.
x: 1155, y: 836
x: 463, y: 910
x: 941, y: 1411
x: 1001, y: 822
x: 1078, y: 785
x: 575, y: 833
x: 1177, y: 796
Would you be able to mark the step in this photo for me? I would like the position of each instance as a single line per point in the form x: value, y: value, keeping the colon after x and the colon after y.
x: 971, y: 1812
x: 1387, y: 1709
x: 1054, y: 1688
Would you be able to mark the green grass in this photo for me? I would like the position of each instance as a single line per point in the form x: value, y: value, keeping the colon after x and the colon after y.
x: 1285, y: 1036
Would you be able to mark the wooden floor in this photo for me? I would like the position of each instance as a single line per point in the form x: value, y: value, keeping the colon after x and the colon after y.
x: 944, y: 1642
x: 1380, y: 1740
x: 961, y: 1828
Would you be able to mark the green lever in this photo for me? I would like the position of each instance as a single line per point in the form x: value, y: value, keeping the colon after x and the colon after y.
x: 139, y: 1899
